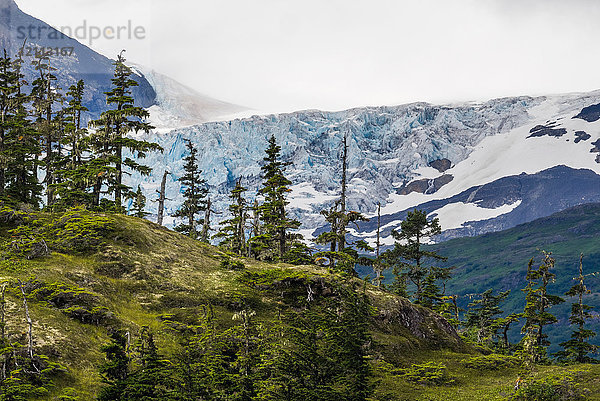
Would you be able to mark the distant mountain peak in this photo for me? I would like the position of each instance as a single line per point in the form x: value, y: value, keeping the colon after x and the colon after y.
x: 73, y: 60
x: 178, y: 105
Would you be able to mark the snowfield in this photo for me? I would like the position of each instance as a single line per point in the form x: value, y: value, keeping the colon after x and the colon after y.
x: 388, y: 148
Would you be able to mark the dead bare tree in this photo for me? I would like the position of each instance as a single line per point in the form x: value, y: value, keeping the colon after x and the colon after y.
x: 162, y: 198
x: 29, y: 325
x: 377, y: 265
x: 204, y: 237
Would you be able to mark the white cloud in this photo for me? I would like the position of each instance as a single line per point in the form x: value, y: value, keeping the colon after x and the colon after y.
x: 281, y: 55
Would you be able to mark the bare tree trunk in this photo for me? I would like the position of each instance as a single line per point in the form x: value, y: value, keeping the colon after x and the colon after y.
x: 206, y: 223
x: 342, y: 224
x: 161, y: 198
x: 582, y: 290
x: 378, y: 247
x: 3, y: 311
x: 29, y: 323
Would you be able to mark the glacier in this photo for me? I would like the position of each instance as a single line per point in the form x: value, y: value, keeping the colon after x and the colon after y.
x: 389, y: 146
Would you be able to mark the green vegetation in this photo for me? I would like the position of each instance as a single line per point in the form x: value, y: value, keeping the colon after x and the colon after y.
x: 262, y: 321
x: 499, y: 261
x: 95, y: 304
x: 195, y: 195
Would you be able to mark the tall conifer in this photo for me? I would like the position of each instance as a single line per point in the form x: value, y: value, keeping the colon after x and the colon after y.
x: 233, y: 230
x: 578, y: 348
x: 111, y: 140
x: 275, y: 222
x: 408, y: 256
x: 195, y: 193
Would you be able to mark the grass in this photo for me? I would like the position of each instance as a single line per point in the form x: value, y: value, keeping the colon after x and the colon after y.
x: 499, y: 260
x: 147, y: 274
x: 474, y: 384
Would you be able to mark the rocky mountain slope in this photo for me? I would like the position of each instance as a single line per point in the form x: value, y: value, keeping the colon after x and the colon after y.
x: 72, y: 60
x: 463, y: 162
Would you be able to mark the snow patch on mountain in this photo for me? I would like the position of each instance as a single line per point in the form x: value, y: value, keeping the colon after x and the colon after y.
x: 513, y: 153
x: 453, y: 215
x: 484, y: 142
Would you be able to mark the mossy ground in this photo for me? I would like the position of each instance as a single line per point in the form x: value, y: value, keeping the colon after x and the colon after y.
x: 147, y: 275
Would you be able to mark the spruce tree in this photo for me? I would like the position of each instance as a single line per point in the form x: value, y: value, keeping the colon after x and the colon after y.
x: 546, y: 300
x: 21, y: 144
x: 44, y: 95
x: 139, y: 204
x: 321, y: 353
x: 274, y: 242
x: 8, y: 90
x: 115, y: 370
x: 342, y: 223
x: 341, y: 256
x: 74, y: 172
x: 537, y: 302
x: 481, y: 318
x: 233, y: 230
x: 408, y: 257
x: 195, y: 193
x: 578, y: 348
x: 531, y: 352
x: 153, y: 377
x: 341, y: 259
x: 111, y: 140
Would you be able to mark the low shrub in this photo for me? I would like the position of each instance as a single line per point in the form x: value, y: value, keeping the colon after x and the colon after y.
x: 230, y: 264
x: 429, y: 373
x: 556, y: 387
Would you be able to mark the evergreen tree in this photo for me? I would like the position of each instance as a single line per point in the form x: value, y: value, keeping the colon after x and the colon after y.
x: 408, y: 257
x: 44, y: 95
x: 115, y: 370
x: 74, y: 169
x: 220, y: 365
x: 531, y: 352
x: 535, y: 313
x: 274, y: 241
x: 233, y: 230
x: 341, y: 256
x: 450, y: 310
x: 111, y: 140
x: 154, y: 378
x: 8, y: 90
x: 195, y: 194
x: 342, y: 223
x: 546, y: 300
x: 481, y: 319
x: 343, y: 259
x: 321, y: 353
x: 578, y: 348
x: 139, y: 204
x: 21, y: 144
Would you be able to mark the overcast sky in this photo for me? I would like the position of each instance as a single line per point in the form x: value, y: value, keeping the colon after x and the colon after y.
x: 284, y: 55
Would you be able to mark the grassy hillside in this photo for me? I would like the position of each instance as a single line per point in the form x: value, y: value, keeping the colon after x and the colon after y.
x: 127, y: 273
x: 499, y: 260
